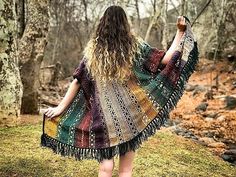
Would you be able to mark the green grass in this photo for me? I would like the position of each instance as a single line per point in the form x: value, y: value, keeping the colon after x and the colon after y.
x: 164, y: 154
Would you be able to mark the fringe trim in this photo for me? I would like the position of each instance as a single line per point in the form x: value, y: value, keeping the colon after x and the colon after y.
x: 133, y: 144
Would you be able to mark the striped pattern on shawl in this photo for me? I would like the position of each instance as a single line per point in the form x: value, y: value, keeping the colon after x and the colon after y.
x: 103, y: 121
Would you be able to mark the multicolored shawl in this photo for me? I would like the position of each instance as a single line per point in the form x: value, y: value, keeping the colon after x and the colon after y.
x: 103, y: 121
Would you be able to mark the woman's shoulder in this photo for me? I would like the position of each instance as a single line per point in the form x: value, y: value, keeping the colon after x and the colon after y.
x: 144, y: 47
x: 141, y: 42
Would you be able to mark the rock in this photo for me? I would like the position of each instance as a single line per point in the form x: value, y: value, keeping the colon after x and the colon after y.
x: 200, y: 88
x: 209, y: 95
x: 184, y: 132
x: 222, y: 129
x: 209, y: 119
x: 194, y: 137
x: 227, y: 158
x: 196, y: 88
x: 217, y: 145
x: 212, y: 115
x: 234, y: 84
x: 229, y: 155
x: 190, y: 134
x: 169, y: 122
x: 230, y: 102
x: 206, y: 140
x: 209, y: 134
x: 231, y: 58
x: 230, y: 144
x: 177, y: 121
x: 189, y: 88
x: 178, y: 130
x: 195, y: 93
x: 221, y: 118
x: 202, y: 106
x: 231, y: 152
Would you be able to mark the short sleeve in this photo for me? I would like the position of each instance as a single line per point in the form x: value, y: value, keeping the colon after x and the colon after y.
x: 79, y: 71
x: 152, y: 58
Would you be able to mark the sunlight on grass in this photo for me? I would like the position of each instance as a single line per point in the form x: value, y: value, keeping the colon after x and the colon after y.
x: 164, y: 154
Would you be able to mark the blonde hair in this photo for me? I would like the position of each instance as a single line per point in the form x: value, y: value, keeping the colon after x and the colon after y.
x: 106, y: 66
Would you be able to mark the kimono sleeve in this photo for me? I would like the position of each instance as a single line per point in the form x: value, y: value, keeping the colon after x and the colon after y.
x: 79, y: 71
x: 152, y: 58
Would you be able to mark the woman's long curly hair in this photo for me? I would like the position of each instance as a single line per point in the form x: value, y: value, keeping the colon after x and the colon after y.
x: 111, y: 51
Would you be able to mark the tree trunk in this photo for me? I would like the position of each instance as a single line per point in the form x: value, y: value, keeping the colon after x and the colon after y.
x: 138, y: 14
x: 20, y: 9
x: 31, y: 50
x: 183, y: 7
x: 152, y: 21
x: 10, y: 82
x: 165, y: 30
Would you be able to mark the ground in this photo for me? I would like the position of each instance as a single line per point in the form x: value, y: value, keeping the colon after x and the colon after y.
x: 216, y: 121
x: 164, y: 154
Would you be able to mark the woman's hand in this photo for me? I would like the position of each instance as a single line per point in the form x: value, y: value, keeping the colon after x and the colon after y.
x: 181, y: 24
x: 70, y: 94
x: 53, y: 112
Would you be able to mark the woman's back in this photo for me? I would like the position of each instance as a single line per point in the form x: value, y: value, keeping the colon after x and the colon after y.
x: 124, y: 92
x: 124, y: 109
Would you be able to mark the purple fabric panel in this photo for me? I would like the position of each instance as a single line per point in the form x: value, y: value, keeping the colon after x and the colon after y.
x: 100, y: 129
x: 83, y: 78
x: 79, y: 71
x: 88, y: 86
x: 173, y: 68
x: 154, y: 59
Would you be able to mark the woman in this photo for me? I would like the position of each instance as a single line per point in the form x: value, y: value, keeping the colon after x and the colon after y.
x: 122, y: 91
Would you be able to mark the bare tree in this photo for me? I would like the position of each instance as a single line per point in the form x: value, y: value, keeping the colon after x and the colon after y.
x: 184, y: 6
x: 138, y: 14
x: 154, y: 19
x: 31, y: 51
x: 165, y: 30
x: 201, y: 12
x: 220, y: 12
x: 20, y: 10
x: 174, y: 6
x: 85, y: 4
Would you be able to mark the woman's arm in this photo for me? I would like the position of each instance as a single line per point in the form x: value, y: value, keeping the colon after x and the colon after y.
x: 181, y: 25
x: 70, y: 94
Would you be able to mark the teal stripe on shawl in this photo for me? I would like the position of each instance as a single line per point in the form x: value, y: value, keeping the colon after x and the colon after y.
x: 158, y: 86
x: 72, y: 117
x: 153, y: 85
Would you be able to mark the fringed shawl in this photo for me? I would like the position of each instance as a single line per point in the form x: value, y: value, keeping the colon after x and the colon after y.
x: 104, y: 121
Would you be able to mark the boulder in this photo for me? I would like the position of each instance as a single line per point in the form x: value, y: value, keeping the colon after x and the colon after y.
x: 217, y: 145
x: 229, y: 155
x: 202, y: 106
x: 230, y: 102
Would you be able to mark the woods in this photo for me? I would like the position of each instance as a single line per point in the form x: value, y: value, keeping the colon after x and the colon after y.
x: 46, y: 33
x: 42, y: 42
x: 24, y: 29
